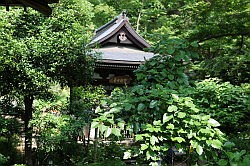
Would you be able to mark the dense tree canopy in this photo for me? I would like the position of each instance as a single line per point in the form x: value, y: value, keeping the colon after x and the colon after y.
x: 220, y: 27
x: 37, y: 50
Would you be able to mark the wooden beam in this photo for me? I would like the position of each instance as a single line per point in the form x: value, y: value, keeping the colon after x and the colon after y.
x: 41, y: 6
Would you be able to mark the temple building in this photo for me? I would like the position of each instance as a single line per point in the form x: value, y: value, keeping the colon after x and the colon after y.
x: 121, y: 51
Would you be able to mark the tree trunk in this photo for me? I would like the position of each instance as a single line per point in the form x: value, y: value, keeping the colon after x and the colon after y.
x: 138, y: 22
x: 28, y: 102
x: 70, y: 100
x: 95, y: 144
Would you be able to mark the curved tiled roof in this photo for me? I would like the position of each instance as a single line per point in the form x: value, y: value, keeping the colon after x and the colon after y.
x: 123, y: 54
x: 108, y: 30
x: 114, y: 51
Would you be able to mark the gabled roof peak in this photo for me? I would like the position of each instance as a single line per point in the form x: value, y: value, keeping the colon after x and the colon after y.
x: 118, y: 31
x: 122, y: 16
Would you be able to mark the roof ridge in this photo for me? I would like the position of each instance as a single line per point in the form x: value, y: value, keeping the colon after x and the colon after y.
x: 121, y: 16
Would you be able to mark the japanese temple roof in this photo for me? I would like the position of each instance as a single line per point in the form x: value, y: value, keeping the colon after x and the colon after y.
x: 119, y: 23
x: 40, y: 5
x: 119, y: 43
x: 123, y: 55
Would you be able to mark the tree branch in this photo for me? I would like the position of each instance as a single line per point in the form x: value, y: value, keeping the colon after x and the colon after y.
x: 224, y: 35
x: 241, y: 42
x: 138, y: 22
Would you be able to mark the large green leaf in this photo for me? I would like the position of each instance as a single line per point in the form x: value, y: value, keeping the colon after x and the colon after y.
x: 170, y: 126
x: 181, y: 115
x: 138, y: 137
x: 154, y: 164
x: 170, y: 50
x: 205, y: 131
x: 178, y: 139
x: 108, y: 132
x: 229, y: 144
x: 172, y: 108
x: 153, y: 140
x: 144, y: 147
x: 213, y: 123
x: 216, y: 144
x: 140, y: 107
x: 222, y: 162
x: 199, y: 149
x: 121, y: 125
x: 157, y: 122
x: 128, y: 106
x: 178, y: 57
x: 167, y: 118
x: 112, y: 110
x: 153, y: 103
x: 175, y: 97
x: 150, y: 154
x: 102, y: 128
x: 116, y: 132
x: 94, y: 124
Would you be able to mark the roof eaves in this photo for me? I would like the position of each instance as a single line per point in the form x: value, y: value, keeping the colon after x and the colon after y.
x: 103, y: 28
x: 136, y: 35
x: 111, y: 61
x: 41, y: 6
x: 106, y: 25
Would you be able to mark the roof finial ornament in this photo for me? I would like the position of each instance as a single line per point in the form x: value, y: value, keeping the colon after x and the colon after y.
x: 121, y: 17
x: 124, y: 14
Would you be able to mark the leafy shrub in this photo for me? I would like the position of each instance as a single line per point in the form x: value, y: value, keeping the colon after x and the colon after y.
x: 163, y: 115
x: 223, y: 101
x: 230, y: 155
x: 162, y: 112
x: 105, y: 152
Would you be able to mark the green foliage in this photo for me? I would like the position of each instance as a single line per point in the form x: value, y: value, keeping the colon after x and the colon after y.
x: 164, y: 116
x: 223, y: 101
x: 220, y: 27
x: 8, y: 150
x: 231, y: 156
x: 241, y: 140
x: 57, y: 101
x: 85, y: 99
x: 3, y: 159
x: 53, y: 130
x: 9, y: 139
x: 177, y: 122
x: 56, y: 136
x: 177, y: 53
x: 160, y: 112
x: 56, y: 132
x: 103, y: 14
x: 36, y: 51
x: 108, y: 153
x: 108, y: 123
